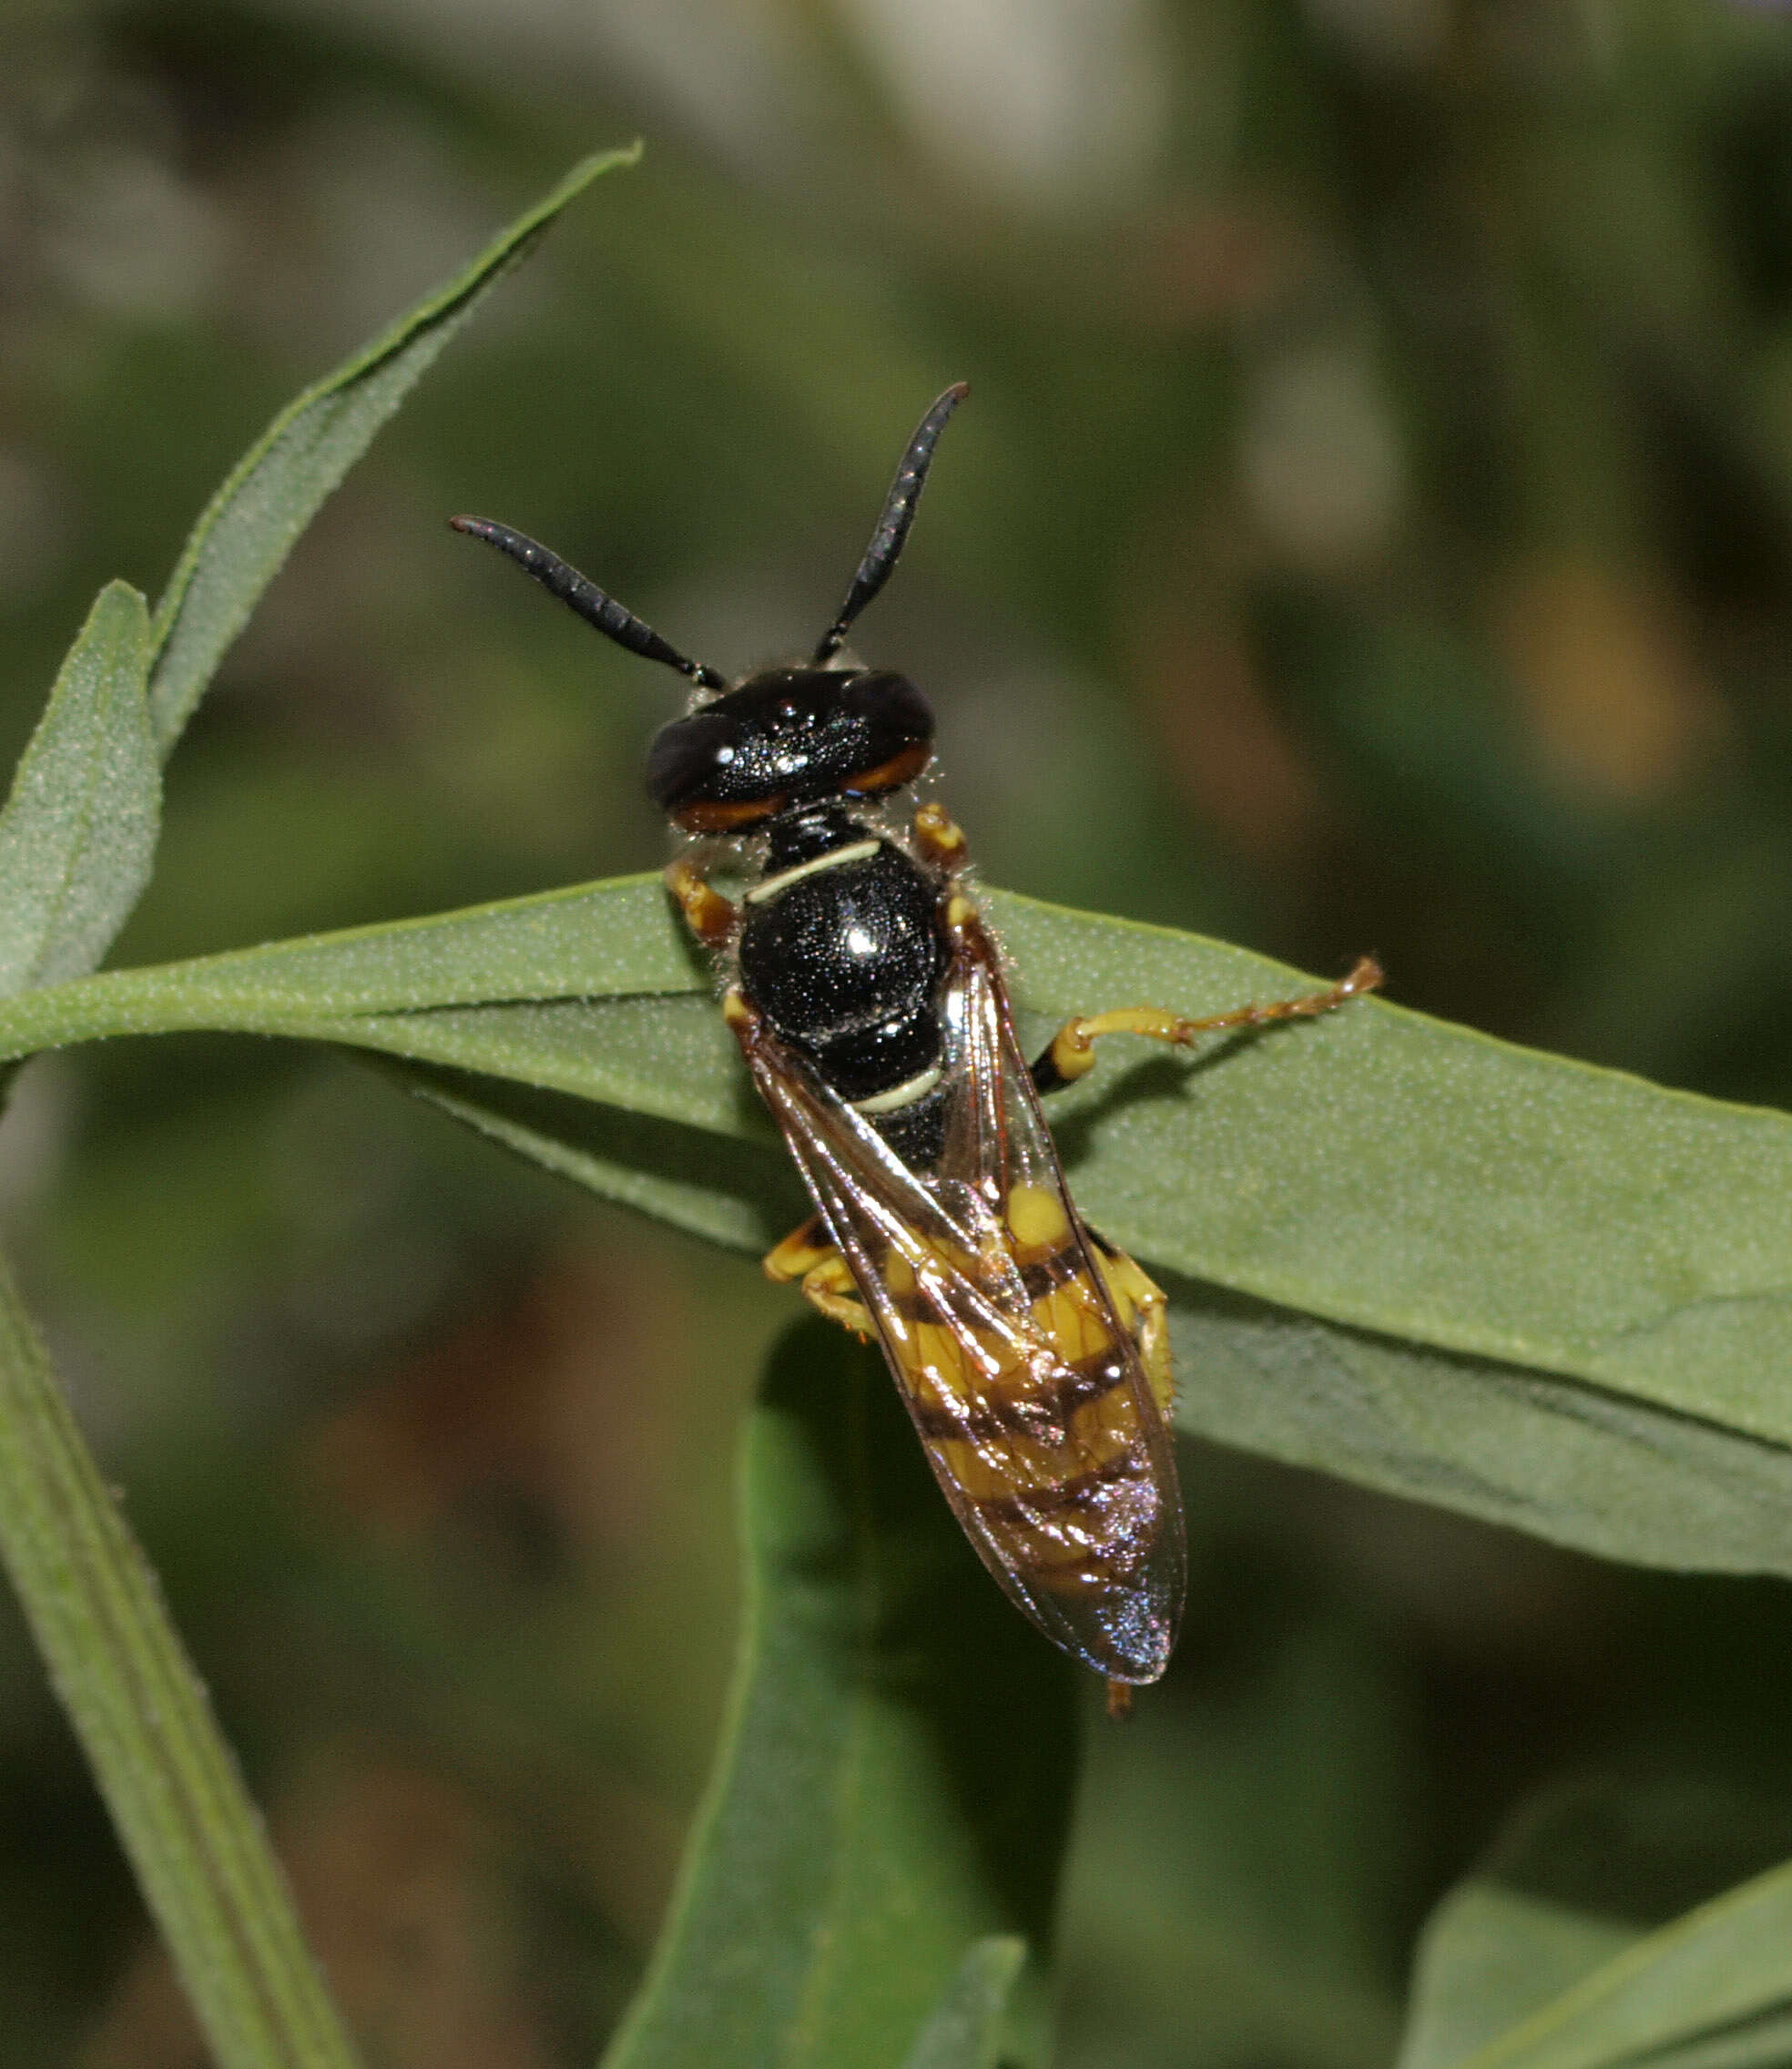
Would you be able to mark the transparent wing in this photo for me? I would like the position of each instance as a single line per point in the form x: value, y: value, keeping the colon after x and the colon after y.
x: 1013, y: 1349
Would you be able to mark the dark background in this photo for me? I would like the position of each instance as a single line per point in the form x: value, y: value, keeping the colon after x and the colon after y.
x: 1368, y: 531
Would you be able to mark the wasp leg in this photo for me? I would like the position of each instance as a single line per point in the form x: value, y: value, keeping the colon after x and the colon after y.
x: 807, y: 1256
x: 707, y: 914
x: 939, y: 838
x: 1119, y: 1700
x: 1146, y: 1314
x: 800, y: 1251
x: 1072, y: 1053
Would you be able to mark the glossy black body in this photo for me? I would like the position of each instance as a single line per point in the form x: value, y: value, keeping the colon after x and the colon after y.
x: 845, y: 963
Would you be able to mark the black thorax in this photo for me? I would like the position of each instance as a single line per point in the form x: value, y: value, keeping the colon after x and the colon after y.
x: 840, y: 950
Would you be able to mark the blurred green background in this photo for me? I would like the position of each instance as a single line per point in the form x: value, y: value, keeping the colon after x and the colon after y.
x: 1369, y: 530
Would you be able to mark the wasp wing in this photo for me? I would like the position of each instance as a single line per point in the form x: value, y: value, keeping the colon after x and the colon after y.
x: 1010, y: 1345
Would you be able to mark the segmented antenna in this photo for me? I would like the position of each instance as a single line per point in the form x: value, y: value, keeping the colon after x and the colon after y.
x: 898, y: 515
x: 611, y: 619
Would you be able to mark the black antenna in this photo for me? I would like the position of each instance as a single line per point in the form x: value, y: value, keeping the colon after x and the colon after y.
x: 559, y: 579
x: 898, y: 515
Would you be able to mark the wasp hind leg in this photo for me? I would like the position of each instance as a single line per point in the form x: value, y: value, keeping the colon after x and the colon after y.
x: 1072, y: 1053
x: 807, y: 1257
x: 1145, y: 1312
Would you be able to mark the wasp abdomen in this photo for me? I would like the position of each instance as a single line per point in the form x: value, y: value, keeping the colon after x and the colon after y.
x: 843, y: 955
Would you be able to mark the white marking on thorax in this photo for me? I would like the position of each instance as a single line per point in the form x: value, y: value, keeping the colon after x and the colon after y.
x: 904, y: 1094
x: 856, y: 852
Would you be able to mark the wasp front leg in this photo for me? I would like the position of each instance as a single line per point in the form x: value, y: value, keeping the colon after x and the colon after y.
x: 1072, y: 1053
x: 939, y: 839
x: 707, y: 915
x: 806, y: 1257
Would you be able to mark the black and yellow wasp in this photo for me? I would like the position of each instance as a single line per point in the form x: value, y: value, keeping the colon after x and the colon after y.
x: 869, y: 1002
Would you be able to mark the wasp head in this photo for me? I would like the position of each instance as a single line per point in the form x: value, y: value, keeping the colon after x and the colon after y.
x: 789, y: 737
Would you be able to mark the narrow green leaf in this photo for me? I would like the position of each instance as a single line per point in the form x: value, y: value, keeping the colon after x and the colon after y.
x: 141, y: 1714
x: 1587, y: 1466
x: 1579, y: 1465
x: 1545, y: 1294
x: 655, y: 1167
x: 78, y: 833
x: 250, y: 524
x: 895, y: 1767
x: 965, y: 2029
x: 591, y: 942
x: 1432, y: 1184
x: 1490, y: 1958
x: 1573, y: 1948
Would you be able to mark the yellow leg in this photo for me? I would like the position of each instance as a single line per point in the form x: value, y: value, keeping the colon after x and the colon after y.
x: 939, y: 838
x: 800, y: 1251
x: 1146, y: 1313
x: 807, y: 1256
x: 1071, y: 1052
x: 707, y: 914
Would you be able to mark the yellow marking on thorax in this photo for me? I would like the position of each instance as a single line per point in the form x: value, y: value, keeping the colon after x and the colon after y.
x: 854, y: 852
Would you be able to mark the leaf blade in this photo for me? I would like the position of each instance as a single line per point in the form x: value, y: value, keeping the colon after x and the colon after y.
x: 964, y: 2028
x: 1442, y: 1186
x: 246, y: 531
x: 1269, y: 1164
x: 194, y: 1837
x: 1575, y: 1946
x: 78, y: 833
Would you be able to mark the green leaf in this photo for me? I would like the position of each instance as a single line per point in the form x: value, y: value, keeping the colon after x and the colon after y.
x: 1545, y: 1294
x: 392, y: 987
x: 1583, y: 1942
x: 655, y: 1167
x: 78, y: 833
x: 77, y: 842
x: 895, y: 1774
x: 143, y: 1722
x: 966, y: 2028
x: 1589, y: 1466
x: 250, y: 524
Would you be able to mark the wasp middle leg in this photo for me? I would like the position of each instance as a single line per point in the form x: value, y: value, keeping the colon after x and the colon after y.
x: 808, y: 1257
x: 1072, y: 1053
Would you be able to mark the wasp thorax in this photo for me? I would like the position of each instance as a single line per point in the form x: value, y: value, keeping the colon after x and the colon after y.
x: 788, y: 737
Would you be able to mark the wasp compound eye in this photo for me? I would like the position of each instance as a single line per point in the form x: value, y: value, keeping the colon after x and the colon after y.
x: 691, y: 759
x: 891, y: 728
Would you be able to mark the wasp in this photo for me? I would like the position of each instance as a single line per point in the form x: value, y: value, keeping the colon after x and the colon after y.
x: 868, y: 1000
